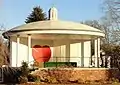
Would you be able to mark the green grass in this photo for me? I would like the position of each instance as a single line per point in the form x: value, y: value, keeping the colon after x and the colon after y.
x: 56, y: 64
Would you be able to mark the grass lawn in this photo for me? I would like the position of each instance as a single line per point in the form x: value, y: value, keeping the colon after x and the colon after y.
x: 71, y: 84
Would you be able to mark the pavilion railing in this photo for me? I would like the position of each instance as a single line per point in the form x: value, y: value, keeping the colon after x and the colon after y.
x: 79, y: 61
x: 72, y: 61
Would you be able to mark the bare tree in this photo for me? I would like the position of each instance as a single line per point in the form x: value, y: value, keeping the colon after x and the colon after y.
x: 4, y: 58
x: 4, y: 51
x: 101, y: 26
x: 105, y: 41
x: 111, y: 9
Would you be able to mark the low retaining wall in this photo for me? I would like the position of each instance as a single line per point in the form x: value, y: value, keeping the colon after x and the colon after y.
x: 84, y: 74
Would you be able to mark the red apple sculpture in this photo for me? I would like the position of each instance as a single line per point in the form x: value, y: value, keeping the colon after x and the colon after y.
x: 41, y: 53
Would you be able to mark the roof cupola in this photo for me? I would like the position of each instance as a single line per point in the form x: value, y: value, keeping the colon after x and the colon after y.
x: 53, y: 13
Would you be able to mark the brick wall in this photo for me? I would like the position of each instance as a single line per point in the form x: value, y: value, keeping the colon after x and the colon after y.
x: 93, y: 74
x: 90, y: 74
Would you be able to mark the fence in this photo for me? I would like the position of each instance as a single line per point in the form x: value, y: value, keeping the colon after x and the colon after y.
x: 102, y: 61
x: 72, y: 61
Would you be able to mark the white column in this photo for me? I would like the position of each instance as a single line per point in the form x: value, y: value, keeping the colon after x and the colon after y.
x: 95, y: 53
x: 98, y: 43
x: 29, y: 48
x: 87, y: 53
x: 67, y: 52
x: 82, y: 54
x: 91, y: 59
x: 18, y: 42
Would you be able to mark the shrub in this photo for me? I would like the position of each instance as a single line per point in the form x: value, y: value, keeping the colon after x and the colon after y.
x: 55, y: 75
x: 32, y: 78
x: 51, y: 80
x: 24, y: 69
x: 113, y: 80
x: 23, y: 79
x: 24, y: 73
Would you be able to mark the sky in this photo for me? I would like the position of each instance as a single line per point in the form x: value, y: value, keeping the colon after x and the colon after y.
x: 14, y: 12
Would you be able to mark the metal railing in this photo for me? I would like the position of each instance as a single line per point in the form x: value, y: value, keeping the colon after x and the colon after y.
x: 72, y: 61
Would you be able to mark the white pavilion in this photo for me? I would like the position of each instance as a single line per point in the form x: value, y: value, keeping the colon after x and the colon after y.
x: 69, y: 41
